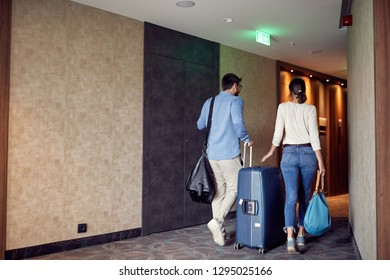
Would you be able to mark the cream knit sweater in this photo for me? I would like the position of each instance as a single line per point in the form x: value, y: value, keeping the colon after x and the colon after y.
x: 298, y: 124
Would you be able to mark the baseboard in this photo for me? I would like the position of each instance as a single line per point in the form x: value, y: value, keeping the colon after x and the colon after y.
x: 61, y: 246
x: 354, y: 244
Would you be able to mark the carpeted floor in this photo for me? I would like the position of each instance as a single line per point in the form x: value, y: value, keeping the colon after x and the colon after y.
x: 195, y: 243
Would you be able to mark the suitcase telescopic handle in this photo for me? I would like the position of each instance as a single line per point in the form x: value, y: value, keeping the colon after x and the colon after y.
x: 250, y: 155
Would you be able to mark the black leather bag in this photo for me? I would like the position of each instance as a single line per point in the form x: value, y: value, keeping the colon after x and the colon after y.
x: 201, y: 181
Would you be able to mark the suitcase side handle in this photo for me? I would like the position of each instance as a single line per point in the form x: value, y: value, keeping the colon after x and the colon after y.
x: 250, y: 155
x: 250, y: 207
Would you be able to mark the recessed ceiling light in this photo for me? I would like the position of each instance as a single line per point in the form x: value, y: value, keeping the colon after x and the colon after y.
x: 227, y: 19
x: 185, y: 4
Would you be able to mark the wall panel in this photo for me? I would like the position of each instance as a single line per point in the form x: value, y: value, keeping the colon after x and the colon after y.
x: 5, y: 50
x: 382, y: 125
x: 181, y: 72
x: 361, y: 129
x: 331, y: 103
x: 75, y: 128
x: 259, y: 94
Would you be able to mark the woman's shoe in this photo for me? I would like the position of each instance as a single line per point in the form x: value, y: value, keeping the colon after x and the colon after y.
x: 301, y: 240
x: 292, y: 247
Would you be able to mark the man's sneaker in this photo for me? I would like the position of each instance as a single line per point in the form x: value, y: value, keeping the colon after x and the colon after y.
x: 216, y: 229
x: 226, y: 234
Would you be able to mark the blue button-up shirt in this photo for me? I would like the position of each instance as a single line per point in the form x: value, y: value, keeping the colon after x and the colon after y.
x: 227, y: 126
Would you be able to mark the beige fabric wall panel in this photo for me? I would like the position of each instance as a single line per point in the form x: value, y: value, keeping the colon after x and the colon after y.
x: 75, y: 139
x: 259, y: 94
x: 361, y: 128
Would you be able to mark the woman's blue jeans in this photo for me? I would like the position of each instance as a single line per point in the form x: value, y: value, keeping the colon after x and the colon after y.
x: 297, y: 162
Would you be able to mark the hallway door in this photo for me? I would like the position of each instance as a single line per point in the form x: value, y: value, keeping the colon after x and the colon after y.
x: 181, y: 72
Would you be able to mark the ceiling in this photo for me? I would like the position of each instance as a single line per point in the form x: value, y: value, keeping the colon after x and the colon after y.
x: 303, y: 32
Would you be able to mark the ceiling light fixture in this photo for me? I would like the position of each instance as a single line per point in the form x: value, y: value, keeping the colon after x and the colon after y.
x: 228, y: 20
x: 185, y: 4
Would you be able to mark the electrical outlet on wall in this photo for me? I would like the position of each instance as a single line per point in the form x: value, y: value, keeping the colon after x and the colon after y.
x: 81, y: 228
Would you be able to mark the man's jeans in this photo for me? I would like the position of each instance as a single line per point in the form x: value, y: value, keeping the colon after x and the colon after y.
x: 297, y: 161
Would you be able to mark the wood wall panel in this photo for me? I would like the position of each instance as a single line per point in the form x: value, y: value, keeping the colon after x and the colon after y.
x: 382, y: 127
x: 5, y: 49
x: 337, y: 141
x: 331, y: 103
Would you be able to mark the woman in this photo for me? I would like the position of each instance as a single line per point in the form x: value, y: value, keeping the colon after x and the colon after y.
x: 301, y: 153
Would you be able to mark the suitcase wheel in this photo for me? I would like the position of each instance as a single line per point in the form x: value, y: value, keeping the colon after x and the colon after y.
x: 237, y: 246
x: 261, y: 251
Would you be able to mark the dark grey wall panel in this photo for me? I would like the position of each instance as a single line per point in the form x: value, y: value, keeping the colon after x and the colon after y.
x: 180, y: 73
x: 165, y: 143
x: 181, y: 46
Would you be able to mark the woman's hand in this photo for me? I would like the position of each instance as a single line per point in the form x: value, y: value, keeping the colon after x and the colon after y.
x: 267, y: 156
x: 321, y: 168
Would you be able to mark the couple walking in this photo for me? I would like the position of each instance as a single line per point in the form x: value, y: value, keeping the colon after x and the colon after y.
x: 296, y: 127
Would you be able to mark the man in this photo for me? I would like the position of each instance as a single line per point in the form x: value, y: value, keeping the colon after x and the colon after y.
x: 227, y: 129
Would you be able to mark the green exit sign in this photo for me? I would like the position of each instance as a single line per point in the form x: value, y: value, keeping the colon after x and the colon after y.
x: 263, y: 38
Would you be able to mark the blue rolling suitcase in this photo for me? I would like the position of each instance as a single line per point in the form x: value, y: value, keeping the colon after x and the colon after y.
x: 260, y: 208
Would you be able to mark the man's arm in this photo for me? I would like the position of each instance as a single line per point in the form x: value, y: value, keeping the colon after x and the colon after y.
x: 237, y: 109
x: 201, y: 123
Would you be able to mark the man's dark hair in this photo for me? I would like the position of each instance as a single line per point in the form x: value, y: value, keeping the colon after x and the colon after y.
x: 229, y: 80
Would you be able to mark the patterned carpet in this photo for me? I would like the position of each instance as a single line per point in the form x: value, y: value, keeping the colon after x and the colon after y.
x: 195, y: 243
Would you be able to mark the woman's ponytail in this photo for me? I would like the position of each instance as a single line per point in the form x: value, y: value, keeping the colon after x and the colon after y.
x: 297, y: 87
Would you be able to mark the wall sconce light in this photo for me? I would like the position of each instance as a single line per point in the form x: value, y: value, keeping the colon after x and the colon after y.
x: 322, y: 125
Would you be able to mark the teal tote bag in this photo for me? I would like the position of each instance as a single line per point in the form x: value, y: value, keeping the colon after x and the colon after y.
x: 317, y: 219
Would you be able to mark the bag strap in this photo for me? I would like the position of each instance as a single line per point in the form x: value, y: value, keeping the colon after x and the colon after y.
x: 208, y: 124
x: 320, y: 178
